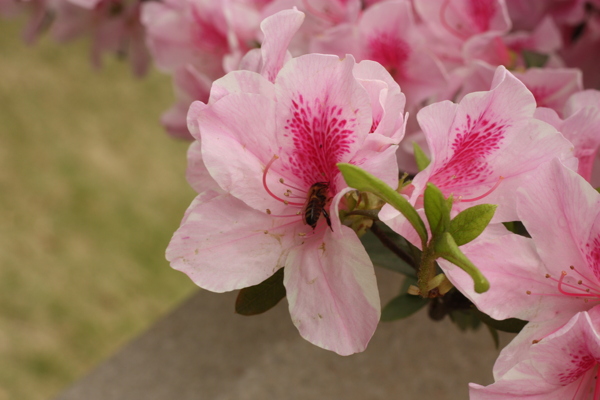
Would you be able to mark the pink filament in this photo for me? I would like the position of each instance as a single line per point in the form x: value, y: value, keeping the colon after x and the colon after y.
x: 264, y: 180
x: 561, y: 283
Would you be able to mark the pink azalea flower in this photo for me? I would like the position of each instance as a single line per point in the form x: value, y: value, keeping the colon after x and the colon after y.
x: 449, y: 24
x: 387, y: 33
x: 497, y: 49
x: 555, y: 360
x: 190, y: 85
x: 483, y: 149
x: 556, y: 272
x: 268, y: 145
x: 114, y: 26
x: 581, y: 125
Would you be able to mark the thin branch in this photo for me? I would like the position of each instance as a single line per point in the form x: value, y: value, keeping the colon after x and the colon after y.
x: 389, y: 244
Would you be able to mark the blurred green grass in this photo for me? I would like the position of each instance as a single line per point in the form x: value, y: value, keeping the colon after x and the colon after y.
x: 91, y: 190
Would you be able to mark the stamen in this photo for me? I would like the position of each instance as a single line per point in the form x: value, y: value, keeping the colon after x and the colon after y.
x: 264, y: 179
x: 460, y: 199
x: 595, y: 289
x: 290, y: 186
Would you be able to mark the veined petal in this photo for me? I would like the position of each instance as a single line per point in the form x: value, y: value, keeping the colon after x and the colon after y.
x: 196, y: 173
x: 224, y: 245
x: 279, y: 30
x: 238, y: 139
x: 561, y: 363
x: 571, y: 236
x: 513, y: 267
x: 332, y: 291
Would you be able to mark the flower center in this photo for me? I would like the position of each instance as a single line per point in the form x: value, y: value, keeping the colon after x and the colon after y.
x: 315, y: 201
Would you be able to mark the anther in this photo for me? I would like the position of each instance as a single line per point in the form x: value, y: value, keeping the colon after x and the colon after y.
x: 268, y: 211
x: 281, y: 180
x: 528, y: 292
x: 302, y: 234
x: 535, y: 341
x: 548, y: 276
x: 266, y: 232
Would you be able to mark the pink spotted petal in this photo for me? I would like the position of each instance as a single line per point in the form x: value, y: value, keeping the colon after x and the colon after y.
x: 325, y: 116
x: 559, y: 364
x: 332, y: 291
x: 492, y: 141
x: 224, y: 245
x: 389, y: 36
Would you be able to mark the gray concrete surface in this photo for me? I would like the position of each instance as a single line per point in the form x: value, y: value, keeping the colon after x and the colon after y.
x: 203, y: 350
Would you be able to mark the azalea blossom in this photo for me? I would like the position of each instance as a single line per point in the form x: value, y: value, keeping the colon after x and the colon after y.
x: 388, y: 34
x: 269, y: 146
x: 482, y: 150
x: 553, y: 274
x: 113, y: 25
x: 555, y: 360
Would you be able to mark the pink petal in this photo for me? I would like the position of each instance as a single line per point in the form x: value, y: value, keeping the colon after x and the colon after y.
x: 279, y: 30
x: 570, y: 237
x: 196, y: 174
x: 238, y: 140
x: 224, y: 245
x: 513, y: 268
x: 332, y: 292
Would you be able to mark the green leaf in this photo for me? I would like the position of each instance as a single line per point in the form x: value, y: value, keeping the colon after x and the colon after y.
x: 436, y: 210
x: 517, y: 227
x: 511, y: 325
x: 402, y: 306
x: 385, y: 258
x: 362, y: 180
x: 534, y: 59
x: 420, y: 157
x: 447, y: 248
x: 469, y: 224
x: 262, y: 297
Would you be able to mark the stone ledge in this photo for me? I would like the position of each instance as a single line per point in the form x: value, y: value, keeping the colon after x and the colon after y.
x: 203, y: 350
